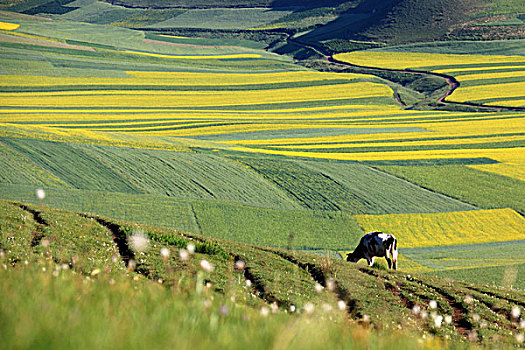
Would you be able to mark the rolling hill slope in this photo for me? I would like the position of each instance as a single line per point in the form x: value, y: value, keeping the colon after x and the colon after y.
x: 235, y: 278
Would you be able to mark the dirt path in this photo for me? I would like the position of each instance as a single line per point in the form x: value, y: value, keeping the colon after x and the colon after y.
x: 451, y: 81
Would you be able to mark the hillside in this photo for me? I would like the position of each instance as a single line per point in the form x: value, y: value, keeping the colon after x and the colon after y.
x: 67, y: 250
x: 336, y: 25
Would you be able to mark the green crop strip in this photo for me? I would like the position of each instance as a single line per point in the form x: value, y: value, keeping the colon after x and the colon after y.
x: 245, y: 87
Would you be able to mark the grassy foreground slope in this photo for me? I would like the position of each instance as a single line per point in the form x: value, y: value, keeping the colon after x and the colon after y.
x: 222, y: 293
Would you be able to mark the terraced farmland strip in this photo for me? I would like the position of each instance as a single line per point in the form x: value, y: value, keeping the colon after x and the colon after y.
x: 433, y: 229
x: 298, y: 229
x: 159, y: 87
x: 381, y: 193
x: 343, y: 149
x: 480, y: 188
x: 196, y: 99
x: 18, y: 168
x: 501, y: 275
x: 146, y: 209
x: 468, y: 256
x: 71, y: 165
x: 397, y: 60
x: 189, y: 176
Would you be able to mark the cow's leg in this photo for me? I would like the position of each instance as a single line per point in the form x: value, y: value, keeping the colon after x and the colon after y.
x: 370, y: 260
x: 395, y: 264
x: 389, y: 261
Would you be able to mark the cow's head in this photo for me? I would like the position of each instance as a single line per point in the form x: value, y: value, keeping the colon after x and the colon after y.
x: 352, y: 257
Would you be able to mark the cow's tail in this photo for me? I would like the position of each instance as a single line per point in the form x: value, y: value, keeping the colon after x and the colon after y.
x: 392, y: 247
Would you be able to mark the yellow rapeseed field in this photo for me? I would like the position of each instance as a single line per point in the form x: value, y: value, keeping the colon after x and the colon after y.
x: 430, y: 142
x: 472, y: 93
x: 460, y: 71
x: 402, y: 60
x: 8, y: 26
x: 434, y: 229
x: 191, y: 78
x: 488, y: 76
x: 193, y: 98
x: 459, y: 64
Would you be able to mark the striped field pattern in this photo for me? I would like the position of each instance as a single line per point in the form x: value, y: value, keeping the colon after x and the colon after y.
x: 237, y: 143
x: 485, y: 79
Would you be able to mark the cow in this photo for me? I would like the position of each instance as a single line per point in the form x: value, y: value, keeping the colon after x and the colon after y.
x: 376, y: 244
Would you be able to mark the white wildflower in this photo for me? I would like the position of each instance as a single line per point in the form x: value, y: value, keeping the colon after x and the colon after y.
x: 44, y: 242
x: 330, y: 284
x: 164, y: 253
x: 206, y: 265
x: 248, y: 283
x: 432, y: 304
x: 138, y: 241
x: 309, y: 308
x: 274, y: 307
x: 515, y: 312
x: 240, y: 265
x: 520, y: 338
x: 184, y: 255
x: 416, y: 309
x: 341, y: 305
x: 468, y: 299
x: 318, y: 288
x: 40, y: 193
x: 190, y: 248
x: 265, y: 311
x: 448, y: 319
x: 438, y: 320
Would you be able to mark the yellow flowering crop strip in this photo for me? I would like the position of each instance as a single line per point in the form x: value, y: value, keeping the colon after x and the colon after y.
x: 393, y: 155
x: 451, y: 228
x: 488, y: 76
x: 472, y: 93
x: 402, y: 60
x: 413, y: 60
x: 474, y: 69
x: 88, y: 137
x: 193, y: 98
x: 9, y: 26
x: 512, y: 103
x: 465, y: 141
x: 191, y: 78
x: 200, y: 57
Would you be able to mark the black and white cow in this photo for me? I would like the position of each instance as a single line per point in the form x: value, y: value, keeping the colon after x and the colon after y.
x: 376, y: 244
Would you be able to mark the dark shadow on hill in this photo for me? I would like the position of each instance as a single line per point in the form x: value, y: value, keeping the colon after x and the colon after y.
x: 396, y: 21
